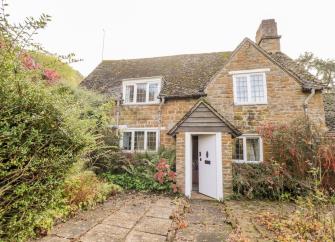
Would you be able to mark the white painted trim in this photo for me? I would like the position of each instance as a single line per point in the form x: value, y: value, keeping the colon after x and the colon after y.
x: 219, y: 167
x: 248, y: 71
x: 134, y: 82
x: 247, y: 75
x: 188, y: 163
x: 142, y: 79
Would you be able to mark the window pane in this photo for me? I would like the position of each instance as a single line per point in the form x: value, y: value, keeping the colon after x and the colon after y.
x: 151, y: 140
x: 253, y: 149
x: 141, y: 92
x: 153, y: 92
x: 139, y: 140
x: 257, y: 88
x: 129, y: 94
x: 241, y: 89
x: 238, y: 149
x: 126, y: 141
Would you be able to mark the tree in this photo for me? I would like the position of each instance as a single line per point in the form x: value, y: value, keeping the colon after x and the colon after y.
x: 324, y: 70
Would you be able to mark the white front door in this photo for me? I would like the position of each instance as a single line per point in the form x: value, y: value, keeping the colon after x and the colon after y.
x: 207, y: 165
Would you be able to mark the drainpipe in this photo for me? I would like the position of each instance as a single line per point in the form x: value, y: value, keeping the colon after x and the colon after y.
x: 160, y: 116
x: 118, y: 101
x: 307, y: 100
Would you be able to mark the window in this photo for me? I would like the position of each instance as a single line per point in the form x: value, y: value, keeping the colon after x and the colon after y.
x: 129, y: 94
x: 250, y: 88
x: 140, y: 140
x: 248, y: 148
x: 151, y: 141
x: 153, y: 91
x: 141, y: 91
x: 127, y: 140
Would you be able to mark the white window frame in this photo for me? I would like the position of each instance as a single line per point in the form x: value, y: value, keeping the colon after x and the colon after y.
x: 245, y: 155
x: 135, y: 82
x: 145, y: 130
x: 247, y: 75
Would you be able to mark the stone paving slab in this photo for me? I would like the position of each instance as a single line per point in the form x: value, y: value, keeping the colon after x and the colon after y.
x: 160, y: 212
x: 154, y: 225
x: 105, y: 233
x: 206, y: 222
x: 73, y: 229
x: 137, y: 236
x: 122, y: 219
x: 53, y: 238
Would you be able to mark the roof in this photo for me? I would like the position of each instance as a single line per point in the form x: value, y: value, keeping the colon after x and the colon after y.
x: 233, y: 130
x: 329, y: 103
x: 183, y: 75
x: 305, y: 78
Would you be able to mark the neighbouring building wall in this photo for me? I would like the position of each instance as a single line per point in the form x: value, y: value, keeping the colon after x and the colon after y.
x: 285, y: 98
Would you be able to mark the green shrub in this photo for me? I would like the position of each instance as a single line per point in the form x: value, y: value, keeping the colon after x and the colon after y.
x: 85, y: 190
x: 146, y: 172
x: 36, y: 150
x: 45, y: 128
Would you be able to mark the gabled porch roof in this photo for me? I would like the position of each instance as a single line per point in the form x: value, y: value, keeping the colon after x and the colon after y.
x: 204, y: 116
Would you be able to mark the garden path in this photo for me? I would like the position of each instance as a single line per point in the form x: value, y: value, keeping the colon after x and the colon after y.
x: 126, y: 217
x: 145, y: 217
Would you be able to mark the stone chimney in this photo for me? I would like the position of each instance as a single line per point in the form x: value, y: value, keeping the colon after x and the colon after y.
x: 267, y: 36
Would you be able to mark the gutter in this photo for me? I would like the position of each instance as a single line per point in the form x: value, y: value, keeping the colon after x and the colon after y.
x: 307, y: 100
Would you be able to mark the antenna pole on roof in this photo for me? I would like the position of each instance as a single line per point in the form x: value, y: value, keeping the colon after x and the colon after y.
x: 103, y: 43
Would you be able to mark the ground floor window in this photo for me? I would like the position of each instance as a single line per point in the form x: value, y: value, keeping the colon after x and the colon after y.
x: 248, y: 148
x: 140, y: 140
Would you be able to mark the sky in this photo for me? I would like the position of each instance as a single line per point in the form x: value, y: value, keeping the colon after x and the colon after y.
x: 148, y: 28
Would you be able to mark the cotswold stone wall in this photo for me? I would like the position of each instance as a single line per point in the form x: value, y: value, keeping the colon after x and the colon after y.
x: 180, y: 161
x: 227, y: 175
x: 284, y: 93
x: 147, y: 116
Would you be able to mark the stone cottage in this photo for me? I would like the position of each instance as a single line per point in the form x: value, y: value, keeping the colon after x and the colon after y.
x: 209, y: 107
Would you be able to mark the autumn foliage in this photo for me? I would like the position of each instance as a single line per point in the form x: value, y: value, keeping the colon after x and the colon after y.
x: 164, y: 174
x: 304, y: 152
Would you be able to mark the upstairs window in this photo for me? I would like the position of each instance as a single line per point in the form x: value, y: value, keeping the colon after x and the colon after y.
x: 250, y: 88
x: 144, y: 91
x: 248, y: 148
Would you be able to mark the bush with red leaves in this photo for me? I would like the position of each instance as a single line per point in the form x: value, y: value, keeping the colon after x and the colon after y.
x: 164, y: 174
